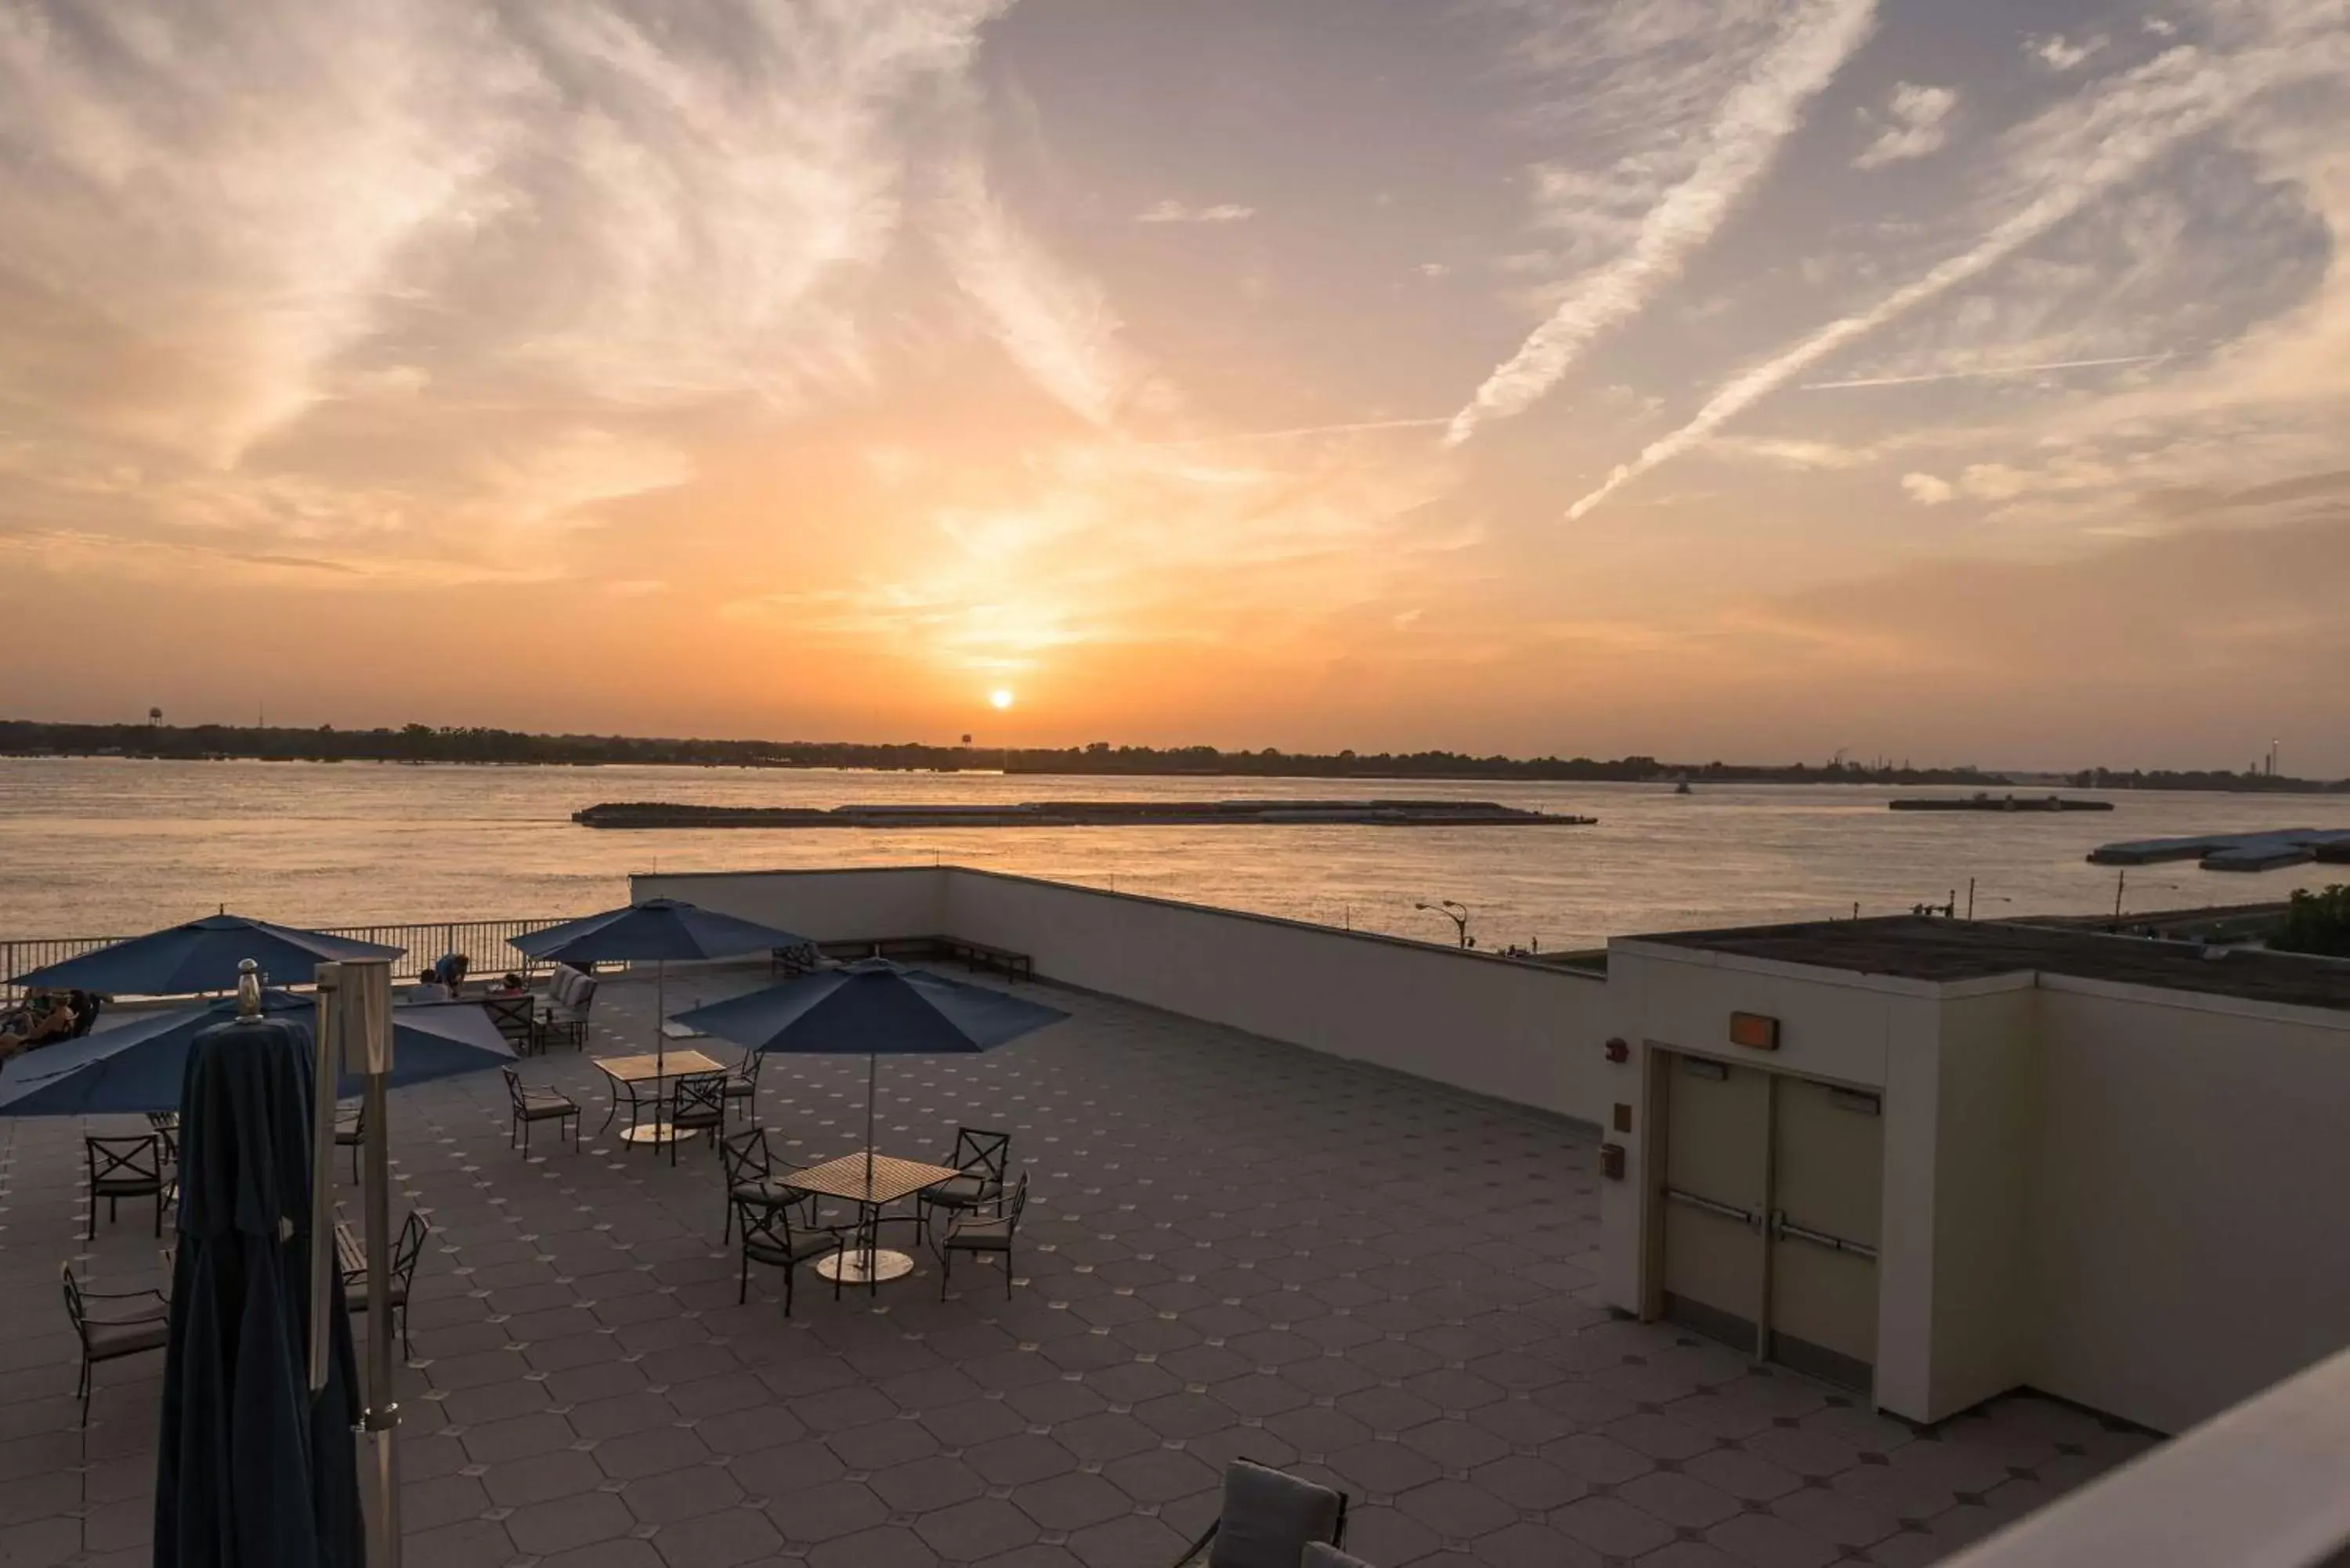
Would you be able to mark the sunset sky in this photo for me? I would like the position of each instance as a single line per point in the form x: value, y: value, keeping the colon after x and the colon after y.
x: 1963, y: 381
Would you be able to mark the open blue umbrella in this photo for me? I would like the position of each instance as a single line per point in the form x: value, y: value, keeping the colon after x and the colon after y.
x: 872, y: 1008
x: 201, y: 955
x: 655, y: 931
x: 137, y: 1064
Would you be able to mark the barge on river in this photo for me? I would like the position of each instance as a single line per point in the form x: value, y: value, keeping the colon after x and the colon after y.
x: 1085, y: 814
x: 1982, y: 802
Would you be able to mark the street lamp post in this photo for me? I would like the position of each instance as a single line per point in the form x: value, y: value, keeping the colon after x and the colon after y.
x: 1457, y: 913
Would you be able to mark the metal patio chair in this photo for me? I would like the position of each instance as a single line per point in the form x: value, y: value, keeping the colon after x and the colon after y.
x: 405, y: 1252
x: 123, y: 1168
x: 984, y: 1158
x: 122, y: 1331
x: 699, y: 1106
x: 982, y: 1231
x: 528, y: 1106
x: 768, y: 1238
x: 1268, y: 1520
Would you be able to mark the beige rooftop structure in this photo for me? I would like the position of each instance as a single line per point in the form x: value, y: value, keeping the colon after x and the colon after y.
x: 1941, y: 1160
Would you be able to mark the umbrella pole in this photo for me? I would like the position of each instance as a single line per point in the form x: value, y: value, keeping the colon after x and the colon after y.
x: 327, y: 1067
x: 873, y: 1235
x: 660, y: 1045
x: 370, y: 1009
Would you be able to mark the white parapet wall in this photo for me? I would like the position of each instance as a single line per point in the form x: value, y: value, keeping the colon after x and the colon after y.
x: 1526, y: 1032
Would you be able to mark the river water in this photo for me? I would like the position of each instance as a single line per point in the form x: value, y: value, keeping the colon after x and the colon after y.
x: 110, y: 846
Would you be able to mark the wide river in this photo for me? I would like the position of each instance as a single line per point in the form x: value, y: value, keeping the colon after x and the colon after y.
x: 108, y: 847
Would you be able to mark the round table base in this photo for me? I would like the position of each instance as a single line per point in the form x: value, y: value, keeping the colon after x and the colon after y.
x: 657, y: 1133
x: 859, y: 1267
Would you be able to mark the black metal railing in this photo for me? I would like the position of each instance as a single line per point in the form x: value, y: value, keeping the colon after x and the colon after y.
x: 483, y: 942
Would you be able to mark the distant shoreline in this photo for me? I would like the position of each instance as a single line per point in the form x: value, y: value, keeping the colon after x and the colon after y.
x: 420, y: 743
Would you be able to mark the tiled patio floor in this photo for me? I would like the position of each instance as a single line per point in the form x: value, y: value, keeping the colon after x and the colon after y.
x: 1236, y: 1248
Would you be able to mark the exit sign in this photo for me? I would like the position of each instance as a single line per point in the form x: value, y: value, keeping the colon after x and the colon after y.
x: 1755, y: 1030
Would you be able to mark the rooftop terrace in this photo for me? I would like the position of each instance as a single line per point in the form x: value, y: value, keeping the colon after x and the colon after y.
x: 1237, y: 1248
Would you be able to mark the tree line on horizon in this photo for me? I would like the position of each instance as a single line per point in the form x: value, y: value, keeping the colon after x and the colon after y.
x: 478, y: 744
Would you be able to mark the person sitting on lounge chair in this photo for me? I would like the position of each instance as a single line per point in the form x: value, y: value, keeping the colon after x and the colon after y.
x: 45, y: 1016
x: 428, y: 987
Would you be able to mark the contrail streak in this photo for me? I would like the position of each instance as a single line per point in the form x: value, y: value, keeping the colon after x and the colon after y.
x: 1743, y: 142
x: 1986, y: 370
x: 2152, y: 110
x: 1296, y: 431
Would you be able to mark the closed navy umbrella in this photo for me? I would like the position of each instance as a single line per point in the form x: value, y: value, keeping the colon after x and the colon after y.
x: 251, y: 1471
x: 139, y: 1065
x: 655, y: 931
x: 872, y: 1008
x: 201, y: 955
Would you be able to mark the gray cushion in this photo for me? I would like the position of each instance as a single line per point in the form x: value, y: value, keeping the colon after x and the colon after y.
x: 1268, y: 1518
x: 963, y: 1191
x: 108, y: 1340
x: 1318, y: 1555
x: 980, y: 1235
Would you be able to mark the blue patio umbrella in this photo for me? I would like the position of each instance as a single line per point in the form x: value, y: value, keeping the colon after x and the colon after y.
x: 201, y: 955
x: 137, y: 1064
x: 872, y: 1008
x: 655, y: 931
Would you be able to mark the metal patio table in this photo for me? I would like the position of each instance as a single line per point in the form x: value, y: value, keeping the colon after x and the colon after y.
x: 870, y: 1181
x: 626, y: 1072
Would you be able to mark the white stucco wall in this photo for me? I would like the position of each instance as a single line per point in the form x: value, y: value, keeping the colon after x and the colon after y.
x: 858, y: 904
x: 1985, y: 1132
x: 1526, y: 1032
x: 2190, y: 1199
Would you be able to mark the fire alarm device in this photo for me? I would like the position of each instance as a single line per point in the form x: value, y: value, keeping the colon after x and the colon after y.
x: 1617, y: 1051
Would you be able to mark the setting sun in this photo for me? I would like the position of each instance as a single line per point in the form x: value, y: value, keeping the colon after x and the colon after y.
x: 1000, y: 698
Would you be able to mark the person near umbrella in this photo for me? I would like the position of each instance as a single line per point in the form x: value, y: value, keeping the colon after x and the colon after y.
x: 45, y: 1016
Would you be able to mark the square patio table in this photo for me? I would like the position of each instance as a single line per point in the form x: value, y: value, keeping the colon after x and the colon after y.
x: 870, y: 1181
x: 627, y: 1071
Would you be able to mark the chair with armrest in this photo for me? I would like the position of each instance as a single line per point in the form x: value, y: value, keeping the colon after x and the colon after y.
x: 1268, y: 1520
x: 527, y: 1105
x: 143, y: 1324
x: 992, y: 1229
x: 984, y: 1158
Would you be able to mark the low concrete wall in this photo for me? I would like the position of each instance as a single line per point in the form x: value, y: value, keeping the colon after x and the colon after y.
x: 824, y: 906
x: 1520, y: 1032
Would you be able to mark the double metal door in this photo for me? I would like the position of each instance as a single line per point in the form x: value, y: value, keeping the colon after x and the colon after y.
x: 1771, y: 1188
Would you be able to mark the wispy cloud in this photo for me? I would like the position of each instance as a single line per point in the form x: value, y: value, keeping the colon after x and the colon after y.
x: 2069, y: 159
x: 1056, y: 324
x: 1174, y: 212
x: 252, y: 242
x: 1740, y: 145
x: 2059, y: 53
x: 1301, y: 433
x: 1927, y: 489
x: 1914, y: 123
x: 1975, y: 372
